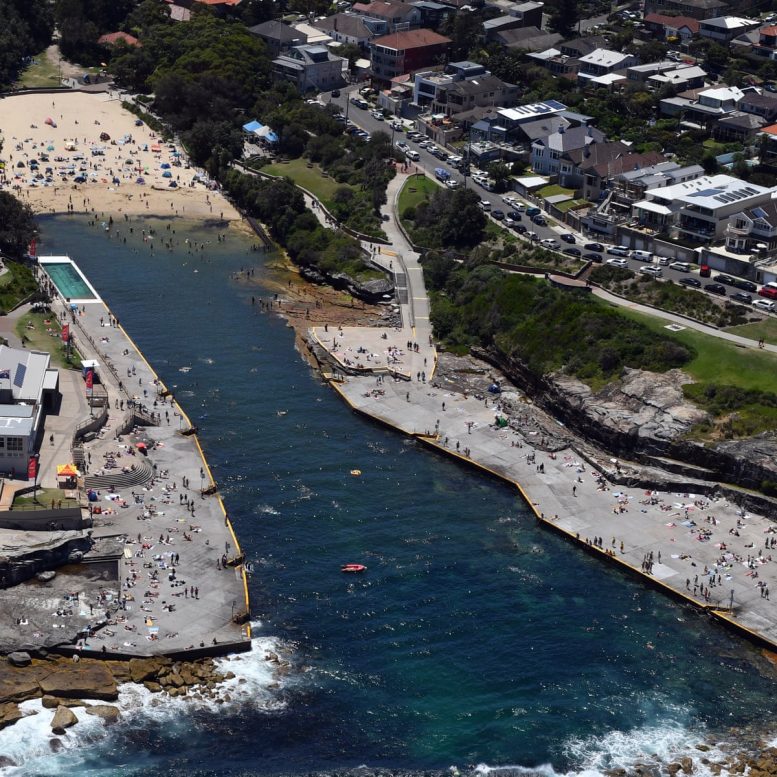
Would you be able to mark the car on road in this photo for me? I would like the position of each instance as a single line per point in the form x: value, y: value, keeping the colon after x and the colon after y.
x: 540, y: 221
x: 402, y: 145
x: 705, y: 270
x: 485, y: 204
x: 568, y: 237
x: 451, y: 184
x: 593, y: 257
x: 397, y: 125
x: 549, y: 242
x: 520, y: 229
x: 499, y: 215
x: 741, y: 296
x: 727, y: 279
x: 619, y: 250
x: 514, y: 215
x: 618, y: 262
x: 715, y: 288
x: 359, y: 103
x: 532, y: 212
x: 652, y: 270
x: 681, y: 266
x: 508, y: 199
x: 572, y: 251
x: 764, y: 304
x: 532, y: 235
x: 642, y: 256
x: 768, y: 290
x: 695, y: 282
x: 335, y: 92
x: 740, y: 283
x: 508, y: 222
x: 598, y: 247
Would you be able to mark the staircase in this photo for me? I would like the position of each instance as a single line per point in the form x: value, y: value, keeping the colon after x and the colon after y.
x: 142, y: 473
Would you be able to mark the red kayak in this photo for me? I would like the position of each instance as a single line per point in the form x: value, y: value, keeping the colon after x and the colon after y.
x: 353, y: 568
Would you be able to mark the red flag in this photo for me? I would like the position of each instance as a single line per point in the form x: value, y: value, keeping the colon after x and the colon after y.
x: 65, y: 333
x: 31, y: 250
x: 89, y: 382
x: 32, y: 468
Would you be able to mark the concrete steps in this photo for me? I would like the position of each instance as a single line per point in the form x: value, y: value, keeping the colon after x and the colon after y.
x: 142, y: 473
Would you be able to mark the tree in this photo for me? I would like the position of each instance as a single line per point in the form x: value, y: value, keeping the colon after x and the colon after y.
x: 17, y: 226
x: 500, y: 172
x: 565, y: 17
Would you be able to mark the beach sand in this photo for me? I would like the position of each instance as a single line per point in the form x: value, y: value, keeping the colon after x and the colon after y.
x: 77, y: 121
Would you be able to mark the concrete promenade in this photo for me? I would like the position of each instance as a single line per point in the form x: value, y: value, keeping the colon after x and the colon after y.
x: 173, y: 594
x: 699, y: 549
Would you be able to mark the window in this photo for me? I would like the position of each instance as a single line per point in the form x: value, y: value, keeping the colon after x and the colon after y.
x: 15, y: 444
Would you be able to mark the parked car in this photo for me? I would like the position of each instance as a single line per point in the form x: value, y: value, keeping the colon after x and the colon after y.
x: 593, y: 257
x: 572, y: 251
x: 652, y: 270
x: 549, y: 242
x: 498, y: 215
x: 740, y: 283
x: 681, y: 266
x: 741, y: 296
x: 485, y: 204
x: 691, y: 281
x: 705, y: 271
x: 540, y: 221
x: 769, y: 291
x: 598, y: 247
x: 514, y: 215
x: 619, y: 250
x: 568, y: 237
x: 520, y: 229
x: 335, y: 93
x: 715, y: 288
x: 642, y: 256
x: 727, y: 279
x: 618, y: 262
x: 764, y: 304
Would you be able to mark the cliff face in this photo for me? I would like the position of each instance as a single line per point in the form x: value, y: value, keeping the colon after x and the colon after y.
x: 644, y: 414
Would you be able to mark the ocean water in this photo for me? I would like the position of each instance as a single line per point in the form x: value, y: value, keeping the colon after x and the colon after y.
x: 475, y: 638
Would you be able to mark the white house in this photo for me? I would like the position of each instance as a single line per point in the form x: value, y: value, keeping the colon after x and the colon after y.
x: 601, y: 62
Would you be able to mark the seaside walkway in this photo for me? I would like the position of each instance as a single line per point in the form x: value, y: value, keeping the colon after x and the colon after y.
x: 173, y: 596
x: 709, y: 552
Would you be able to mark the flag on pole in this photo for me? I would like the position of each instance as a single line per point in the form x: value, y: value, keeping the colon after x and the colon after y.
x: 89, y: 382
x: 65, y: 333
x: 31, y: 250
x: 32, y: 468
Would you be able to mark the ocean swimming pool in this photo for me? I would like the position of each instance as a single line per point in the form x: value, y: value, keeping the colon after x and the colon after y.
x: 69, y: 280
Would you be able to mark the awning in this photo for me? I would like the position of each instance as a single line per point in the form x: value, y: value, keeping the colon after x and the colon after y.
x: 67, y: 471
x: 653, y: 207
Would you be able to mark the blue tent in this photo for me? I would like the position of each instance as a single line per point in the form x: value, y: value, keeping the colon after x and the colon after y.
x: 165, y: 166
x: 167, y: 174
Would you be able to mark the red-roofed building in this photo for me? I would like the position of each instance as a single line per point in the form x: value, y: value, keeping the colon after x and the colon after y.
x: 405, y: 52
x: 663, y: 27
x: 112, y: 38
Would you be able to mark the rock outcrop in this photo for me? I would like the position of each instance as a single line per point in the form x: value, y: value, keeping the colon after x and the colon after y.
x: 19, y: 658
x: 90, y: 681
x: 107, y: 712
x: 63, y: 719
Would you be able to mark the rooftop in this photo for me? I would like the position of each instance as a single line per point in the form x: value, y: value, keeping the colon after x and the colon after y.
x: 730, y: 22
x: 411, y: 39
x: 674, y: 22
x: 534, y: 111
x: 604, y: 57
x: 711, y: 191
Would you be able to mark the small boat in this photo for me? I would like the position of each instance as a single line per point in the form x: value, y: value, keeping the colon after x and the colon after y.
x: 353, y: 568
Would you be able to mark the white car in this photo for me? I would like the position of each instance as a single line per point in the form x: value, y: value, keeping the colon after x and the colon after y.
x: 763, y: 304
x: 377, y: 115
x: 451, y: 184
x: 549, y: 242
x: 618, y: 262
x: 650, y: 269
x: 509, y: 199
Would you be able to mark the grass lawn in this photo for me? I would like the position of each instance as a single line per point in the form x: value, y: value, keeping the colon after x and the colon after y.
x: 416, y: 189
x: 571, y: 205
x: 765, y: 330
x: 42, y: 336
x: 42, y: 72
x: 718, y: 361
x: 308, y: 176
x: 43, y: 498
x: 553, y: 189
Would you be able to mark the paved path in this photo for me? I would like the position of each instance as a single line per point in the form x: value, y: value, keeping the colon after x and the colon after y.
x: 165, y: 604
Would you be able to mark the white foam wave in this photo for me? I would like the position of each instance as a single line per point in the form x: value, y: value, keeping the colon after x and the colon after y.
x: 593, y: 756
x: 28, y: 742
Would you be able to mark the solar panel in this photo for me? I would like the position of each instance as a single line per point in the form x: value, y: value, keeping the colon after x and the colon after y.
x: 18, y: 378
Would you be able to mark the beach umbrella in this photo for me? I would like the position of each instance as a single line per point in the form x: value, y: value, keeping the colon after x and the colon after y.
x: 20, y: 164
x: 49, y: 121
x: 141, y: 446
x: 49, y: 148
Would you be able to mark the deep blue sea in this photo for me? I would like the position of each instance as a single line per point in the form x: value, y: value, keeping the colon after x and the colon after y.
x: 475, y: 637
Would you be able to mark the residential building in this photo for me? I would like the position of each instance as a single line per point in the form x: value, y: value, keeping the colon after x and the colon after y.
x: 432, y: 14
x: 28, y: 387
x: 278, y: 36
x: 529, y: 13
x: 505, y: 124
x: 724, y: 29
x: 461, y: 87
x: 699, y: 210
x: 753, y: 230
x: 760, y: 104
x: 580, y: 47
x: 315, y: 37
x: 602, y: 62
x: 406, y: 52
x: 313, y: 68
x: 396, y: 15
x: 680, y: 78
x: 526, y: 39
x: 681, y: 28
x: 696, y: 9
x: 738, y: 127
x: 555, y: 62
x: 630, y: 186
x: 350, y: 29
x: 550, y: 155
x: 705, y: 107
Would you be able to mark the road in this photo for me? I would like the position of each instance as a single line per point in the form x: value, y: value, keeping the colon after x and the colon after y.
x: 427, y: 162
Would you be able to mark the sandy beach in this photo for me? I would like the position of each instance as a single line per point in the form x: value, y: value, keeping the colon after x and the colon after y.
x: 129, y: 171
